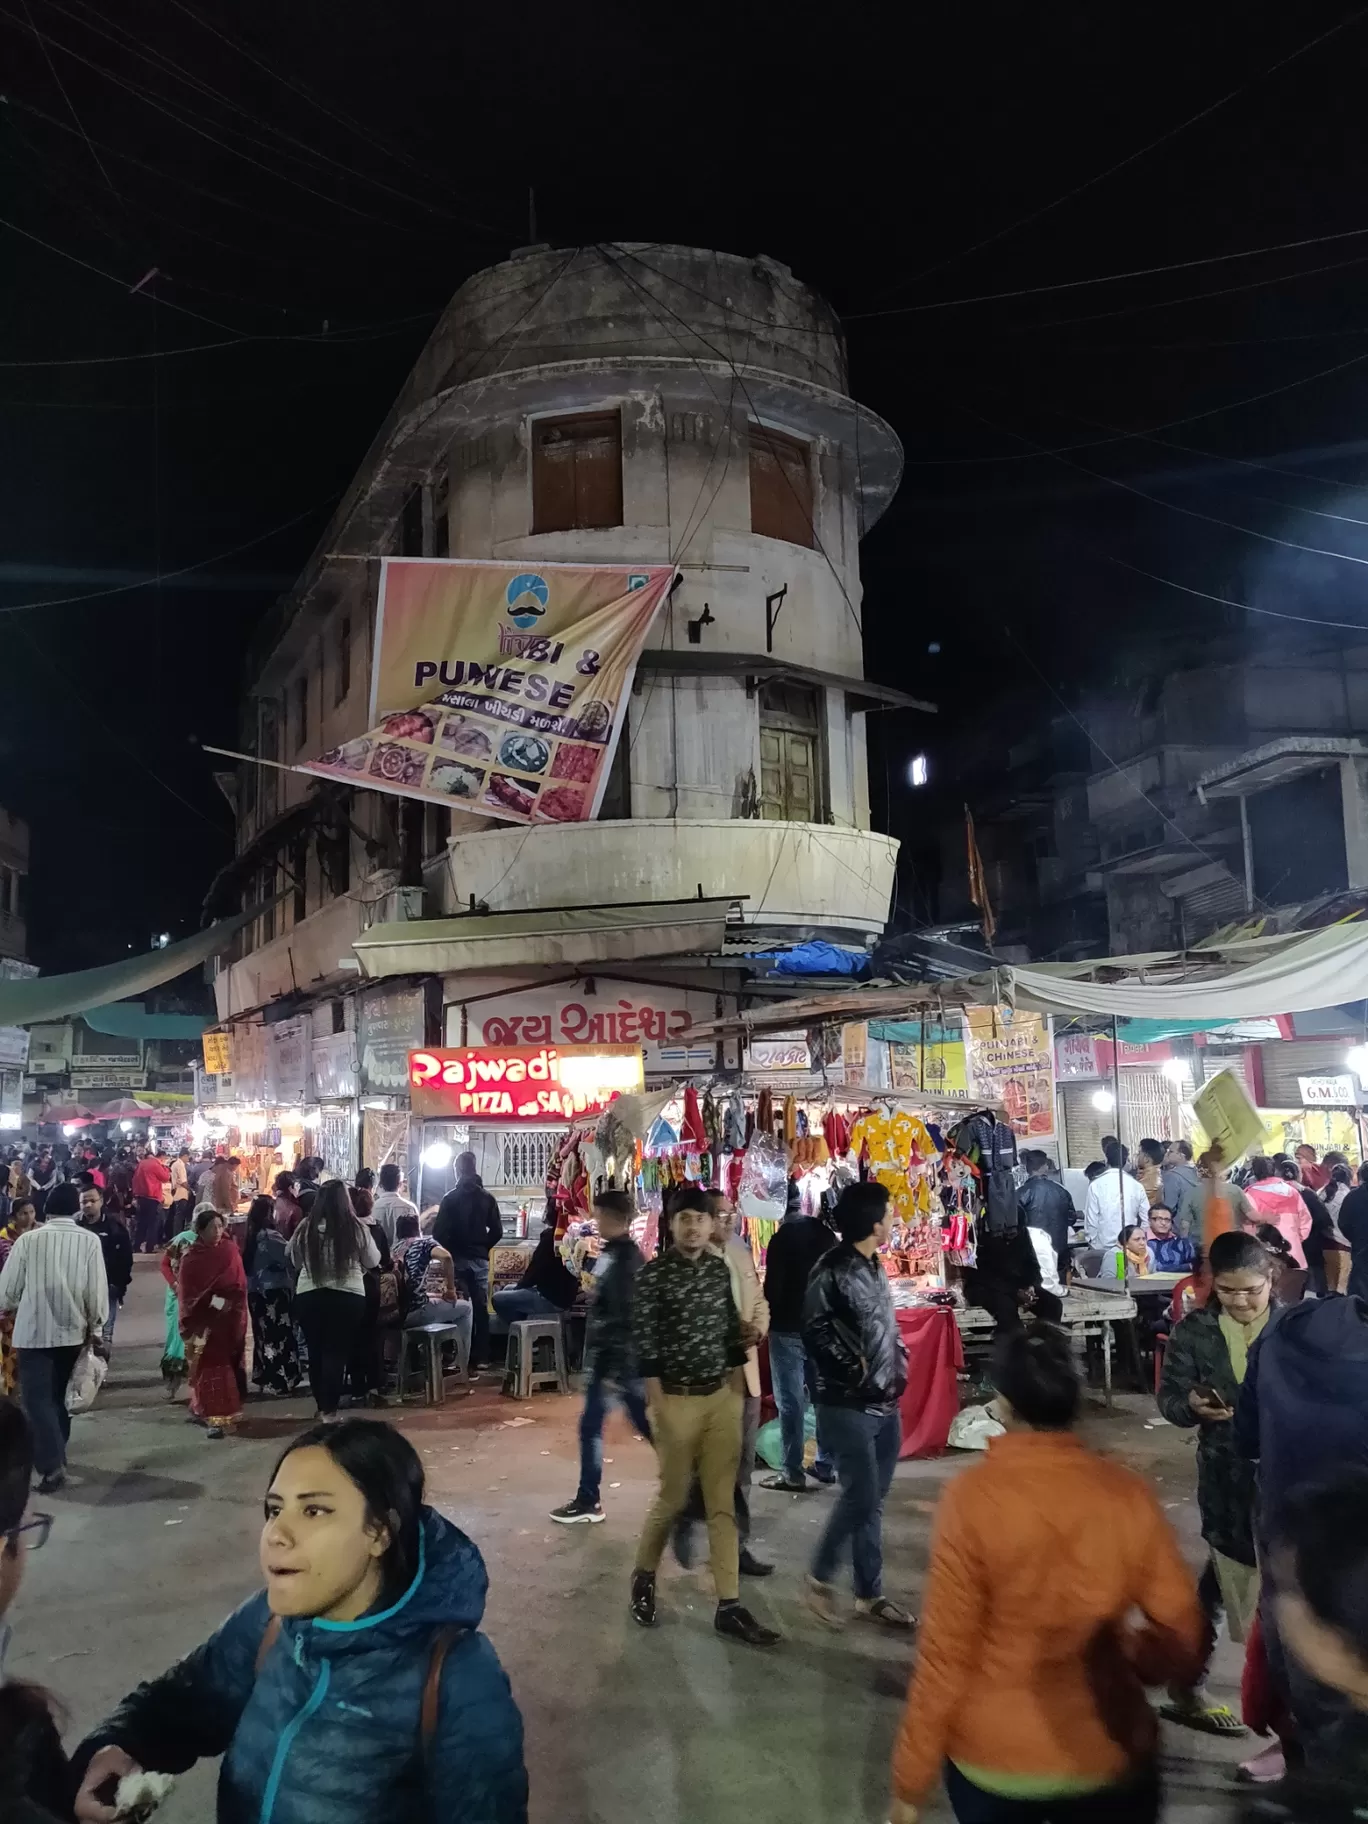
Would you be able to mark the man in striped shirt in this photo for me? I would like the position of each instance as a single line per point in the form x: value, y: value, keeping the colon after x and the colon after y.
x: 54, y: 1281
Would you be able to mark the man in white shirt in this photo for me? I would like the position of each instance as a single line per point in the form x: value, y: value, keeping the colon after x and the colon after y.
x: 1115, y: 1201
x: 54, y: 1281
x: 389, y: 1206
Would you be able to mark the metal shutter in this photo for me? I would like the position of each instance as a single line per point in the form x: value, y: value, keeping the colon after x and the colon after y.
x: 1284, y: 1060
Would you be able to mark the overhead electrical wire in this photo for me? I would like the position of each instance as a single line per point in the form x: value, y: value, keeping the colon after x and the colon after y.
x: 161, y: 106
x: 1275, y: 614
x: 723, y: 355
x: 170, y: 576
x: 61, y: 90
x: 138, y: 48
x: 1104, y: 278
x: 1169, y: 424
x: 1157, y: 500
x: 1098, y: 177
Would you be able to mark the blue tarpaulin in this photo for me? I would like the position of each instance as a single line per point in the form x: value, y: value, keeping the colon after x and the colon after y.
x: 814, y: 959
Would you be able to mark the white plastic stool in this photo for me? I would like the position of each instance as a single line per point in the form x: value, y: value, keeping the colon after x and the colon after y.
x: 522, y: 1376
x: 432, y: 1338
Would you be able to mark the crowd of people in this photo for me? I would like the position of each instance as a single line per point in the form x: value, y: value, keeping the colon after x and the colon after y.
x: 1056, y: 1592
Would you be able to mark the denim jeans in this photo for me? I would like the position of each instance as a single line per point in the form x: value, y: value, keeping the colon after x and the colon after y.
x: 43, y: 1377
x: 598, y: 1396
x: 518, y: 1302
x: 115, y: 1300
x: 438, y: 1311
x: 473, y: 1276
x: 865, y: 1446
x: 788, y: 1377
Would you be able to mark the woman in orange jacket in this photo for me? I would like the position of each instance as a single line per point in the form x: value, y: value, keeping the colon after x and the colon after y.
x: 1029, y: 1691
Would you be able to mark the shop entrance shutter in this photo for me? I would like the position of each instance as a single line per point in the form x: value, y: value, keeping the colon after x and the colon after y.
x: 1084, y: 1125
x: 1211, y: 907
x: 1284, y: 1060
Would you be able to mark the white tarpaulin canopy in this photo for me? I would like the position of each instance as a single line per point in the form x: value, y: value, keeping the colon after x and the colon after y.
x: 1319, y: 969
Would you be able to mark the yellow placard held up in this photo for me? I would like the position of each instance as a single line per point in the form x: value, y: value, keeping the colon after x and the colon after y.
x: 218, y: 1055
x: 1229, y: 1117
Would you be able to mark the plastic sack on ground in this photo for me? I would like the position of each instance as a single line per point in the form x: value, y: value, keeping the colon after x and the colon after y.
x: 763, y: 1195
x: 769, y: 1441
x: 972, y: 1428
x: 87, y: 1378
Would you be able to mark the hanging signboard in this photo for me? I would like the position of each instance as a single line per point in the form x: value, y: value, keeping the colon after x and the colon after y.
x: 521, y: 1082
x: 938, y: 1068
x: 390, y: 1023
x: 779, y: 1051
x: 1076, y: 1057
x: 288, y: 1058
x: 500, y: 688
x: 1327, y: 1092
x: 1011, y: 1061
x: 218, y: 1054
x: 334, y: 1066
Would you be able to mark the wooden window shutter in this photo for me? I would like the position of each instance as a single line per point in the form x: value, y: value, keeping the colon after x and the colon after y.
x: 577, y: 472
x: 781, y: 487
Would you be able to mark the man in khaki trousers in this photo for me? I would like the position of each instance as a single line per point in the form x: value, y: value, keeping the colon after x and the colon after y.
x: 691, y: 1347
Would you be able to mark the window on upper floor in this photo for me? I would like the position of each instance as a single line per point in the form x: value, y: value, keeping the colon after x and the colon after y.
x: 781, y: 486
x: 344, y: 658
x: 577, y: 472
x: 269, y: 749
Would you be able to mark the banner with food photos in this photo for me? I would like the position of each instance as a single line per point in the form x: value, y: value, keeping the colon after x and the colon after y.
x: 500, y: 689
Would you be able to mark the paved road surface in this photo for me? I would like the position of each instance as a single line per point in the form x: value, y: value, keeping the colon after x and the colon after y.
x: 156, y: 1542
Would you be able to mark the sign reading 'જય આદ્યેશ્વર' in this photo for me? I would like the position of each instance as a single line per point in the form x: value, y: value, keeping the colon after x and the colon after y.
x: 500, y: 688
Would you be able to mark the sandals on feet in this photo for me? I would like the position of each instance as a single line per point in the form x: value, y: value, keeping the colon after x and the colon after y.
x: 1207, y: 1719
x: 886, y: 1613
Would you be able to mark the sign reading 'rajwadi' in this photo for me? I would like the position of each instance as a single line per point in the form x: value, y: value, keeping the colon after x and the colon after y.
x: 547, y: 1083
x: 498, y: 687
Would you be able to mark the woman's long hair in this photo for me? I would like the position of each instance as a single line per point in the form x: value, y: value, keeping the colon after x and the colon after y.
x: 389, y: 1473
x: 260, y: 1216
x: 332, y: 1235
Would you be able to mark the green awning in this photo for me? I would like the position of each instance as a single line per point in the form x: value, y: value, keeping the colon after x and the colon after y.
x: 56, y: 997
x: 131, y: 1020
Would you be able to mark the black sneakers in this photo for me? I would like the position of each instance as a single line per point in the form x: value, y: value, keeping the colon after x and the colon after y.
x: 737, y: 1623
x: 751, y: 1566
x: 643, y: 1599
x: 578, y: 1513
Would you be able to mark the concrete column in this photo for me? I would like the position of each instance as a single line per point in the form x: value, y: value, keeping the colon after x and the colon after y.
x: 1354, y: 798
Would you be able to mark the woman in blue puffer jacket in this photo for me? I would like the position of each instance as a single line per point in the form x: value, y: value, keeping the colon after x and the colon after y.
x: 356, y: 1689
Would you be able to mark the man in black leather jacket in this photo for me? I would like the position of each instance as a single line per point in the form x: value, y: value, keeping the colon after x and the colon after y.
x: 468, y: 1225
x: 861, y: 1370
x: 1044, y: 1204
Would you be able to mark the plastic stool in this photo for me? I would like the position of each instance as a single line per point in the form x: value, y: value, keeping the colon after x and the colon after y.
x: 431, y: 1338
x: 522, y: 1376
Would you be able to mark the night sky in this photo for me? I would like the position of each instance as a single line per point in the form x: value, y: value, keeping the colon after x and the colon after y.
x: 308, y: 185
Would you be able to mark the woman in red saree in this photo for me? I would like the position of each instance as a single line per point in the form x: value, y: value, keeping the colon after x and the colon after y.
x: 213, y: 1322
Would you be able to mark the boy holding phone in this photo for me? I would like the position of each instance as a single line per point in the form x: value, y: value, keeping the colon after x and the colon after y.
x: 1204, y: 1365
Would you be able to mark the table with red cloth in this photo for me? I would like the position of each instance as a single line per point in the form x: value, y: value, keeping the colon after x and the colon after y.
x: 930, y: 1400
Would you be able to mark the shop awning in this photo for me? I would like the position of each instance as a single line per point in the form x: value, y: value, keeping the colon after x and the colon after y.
x: 55, y: 997
x: 891, y: 1001
x: 758, y: 668
x: 131, y: 1020
x: 574, y: 935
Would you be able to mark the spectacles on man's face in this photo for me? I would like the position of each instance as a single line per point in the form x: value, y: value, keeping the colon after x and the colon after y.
x: 33, y: 1531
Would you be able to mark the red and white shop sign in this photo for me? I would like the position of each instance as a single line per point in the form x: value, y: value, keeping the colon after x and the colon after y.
x: 520, y: 1083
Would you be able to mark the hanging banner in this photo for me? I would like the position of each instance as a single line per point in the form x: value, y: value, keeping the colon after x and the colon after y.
x: 218, y: 1054
x: 499, y: 687
x: 939, y: 1068
x: 1011, y: 1061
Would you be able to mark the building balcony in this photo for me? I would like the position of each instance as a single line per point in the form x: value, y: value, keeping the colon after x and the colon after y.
x: 791, y: 878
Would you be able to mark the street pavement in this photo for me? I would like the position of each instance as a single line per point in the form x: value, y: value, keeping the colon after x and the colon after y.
x: 155, y: 1542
